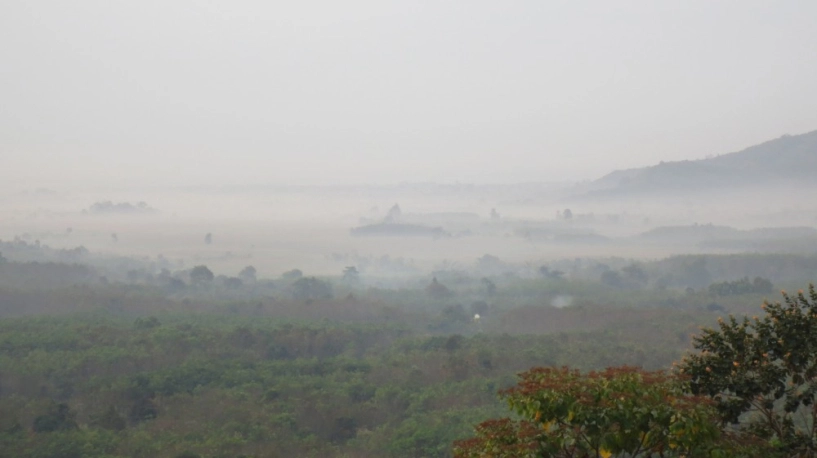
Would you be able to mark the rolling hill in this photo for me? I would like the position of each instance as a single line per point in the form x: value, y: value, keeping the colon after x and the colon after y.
x: 790, y: 159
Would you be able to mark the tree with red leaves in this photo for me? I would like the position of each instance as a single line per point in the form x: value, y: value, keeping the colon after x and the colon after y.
x: 618, y: 412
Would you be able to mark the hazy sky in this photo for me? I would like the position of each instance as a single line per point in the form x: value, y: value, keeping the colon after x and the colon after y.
x: 156, y: 92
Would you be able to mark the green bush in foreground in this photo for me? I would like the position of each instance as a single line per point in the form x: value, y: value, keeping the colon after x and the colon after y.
x: 750, y: 391
x: 762, y: 373
x: 616, y: 412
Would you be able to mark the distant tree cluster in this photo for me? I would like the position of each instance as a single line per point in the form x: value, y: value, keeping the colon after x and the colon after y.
x: 631, y: 276
x: 742, y: 286
x: 197, y: 277
x: 310, y: 289
x: 553, y: 274
x: 437, y: 290
x: 22, y: 250
x: 59, y: 417
x: 108, y: 207
x: 201, y: 275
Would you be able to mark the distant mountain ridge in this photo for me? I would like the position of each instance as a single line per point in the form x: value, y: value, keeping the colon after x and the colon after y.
x: 791, y: 159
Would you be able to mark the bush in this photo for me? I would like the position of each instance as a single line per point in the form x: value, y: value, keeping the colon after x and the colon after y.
x: 762, y: 373
x: 58, y: 418
x: 617, y: 412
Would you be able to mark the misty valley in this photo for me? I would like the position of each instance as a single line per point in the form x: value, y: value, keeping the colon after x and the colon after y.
x: 383, y: 321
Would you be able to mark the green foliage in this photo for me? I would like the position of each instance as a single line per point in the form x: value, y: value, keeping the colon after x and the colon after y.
x: 451, y: 316
x: 147, y: 323
x: 437, y: 290
x: 188, y: 454
x: 762, y: 372
x: 612, y: 278
x: 201, y: 275
x: 617, y: 412
x: 226, y: 385
x: 142, y: 409
x: 110, y: 420
x: 72, y: 444
x: 310, y: 289
x: 149, y: 372
x: 742, y: 286
x: 59, y: 417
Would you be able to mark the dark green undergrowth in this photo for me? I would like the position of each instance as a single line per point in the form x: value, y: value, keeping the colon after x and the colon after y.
x: 105, y: 385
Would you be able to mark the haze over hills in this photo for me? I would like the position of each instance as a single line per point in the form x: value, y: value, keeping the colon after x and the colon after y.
x: 788, y: 160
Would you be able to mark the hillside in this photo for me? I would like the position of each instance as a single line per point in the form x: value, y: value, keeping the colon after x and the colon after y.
x: 790, y: 159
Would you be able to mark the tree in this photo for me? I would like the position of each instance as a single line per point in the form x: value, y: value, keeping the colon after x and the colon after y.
x: 188, y: 454
x: 394, y: 214
x: 351, y: 275
x: 635, y: 274
x: 490, y: 286
x: 248, y: 274
x: 310, y: 288
x: 454, y: 314
x: 694, y: 273
x: 762, y: 286
x: 110, y: 420
x: 743, y: 286
x: 479, y: 308
x: 142, y: 409
x: 617, y: 412
x: 232, y: 282
x: 208, y: 238
x: 612, y: 278
x: 553, y: 274
x: 59, y: 417
x: 490, y: 264
x: 437, y: 290
x: 762, y: 373
x: 147, y: 323
x: 292, y: 275
x: 201, y: 275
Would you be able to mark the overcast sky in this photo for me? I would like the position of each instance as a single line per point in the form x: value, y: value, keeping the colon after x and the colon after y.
x: 376, y: 91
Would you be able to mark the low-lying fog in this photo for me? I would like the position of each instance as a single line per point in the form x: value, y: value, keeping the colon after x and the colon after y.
x: 436, y: 226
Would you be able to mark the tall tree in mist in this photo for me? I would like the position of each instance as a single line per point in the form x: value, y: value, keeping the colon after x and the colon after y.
x: 201, y: 275
x: 248, y: 274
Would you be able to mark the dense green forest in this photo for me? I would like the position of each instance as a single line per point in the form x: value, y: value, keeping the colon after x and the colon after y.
x: 165, y: 365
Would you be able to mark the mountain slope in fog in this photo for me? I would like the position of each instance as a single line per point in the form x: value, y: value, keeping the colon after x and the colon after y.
x: 790, y: 159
